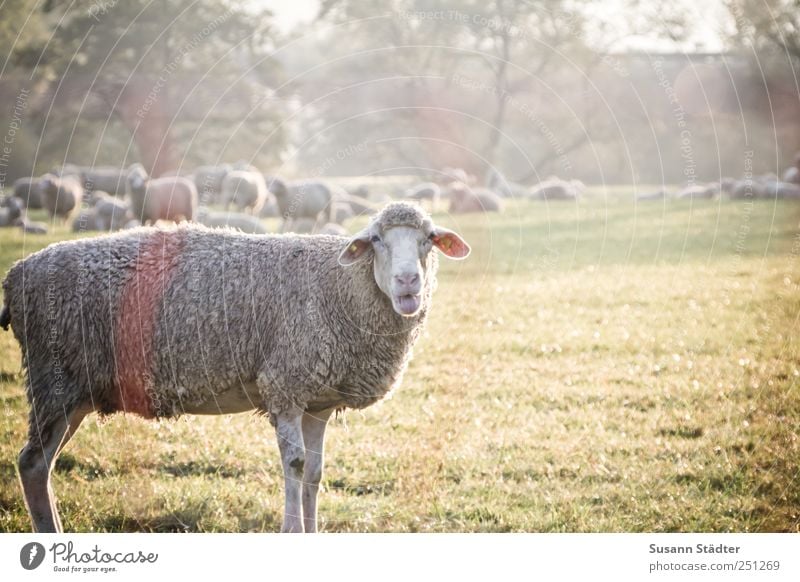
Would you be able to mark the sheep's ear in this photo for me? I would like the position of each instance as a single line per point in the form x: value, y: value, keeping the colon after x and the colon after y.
x: 450, y: 243
x: 356, y: 248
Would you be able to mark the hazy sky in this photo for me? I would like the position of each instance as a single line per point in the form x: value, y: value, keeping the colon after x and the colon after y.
x: 708, y: 18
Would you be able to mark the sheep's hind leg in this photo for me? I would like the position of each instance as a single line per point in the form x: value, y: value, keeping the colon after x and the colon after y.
x: 314, y: 424
x: 36, y: 460
x: 288, y: 426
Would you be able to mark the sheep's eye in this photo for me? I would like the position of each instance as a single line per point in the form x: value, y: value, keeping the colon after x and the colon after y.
x: 375, y: 239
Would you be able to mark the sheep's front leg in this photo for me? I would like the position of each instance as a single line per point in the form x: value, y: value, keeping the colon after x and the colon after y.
x: 314, y: 424
x: 289, y: 427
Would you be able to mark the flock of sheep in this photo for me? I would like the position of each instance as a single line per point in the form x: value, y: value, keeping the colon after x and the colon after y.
x: 108, y: 199
x: 765, y: 186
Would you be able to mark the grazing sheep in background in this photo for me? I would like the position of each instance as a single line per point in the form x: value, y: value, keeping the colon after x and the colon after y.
x: 698, y: 192
x: 464, y: 199
x: 556, y: 189
x: 245, y: 190
x: 498, y: 183
x: 782, y: 190
x: 112, y: 212
x: 360, y: 191
x: 748, y: 189
x: 31, y: 227
x: 424, y: 191
x: 105, y: 179
x: 60, y: 196
x: 208, y: 180
x: 172, y: 198
x: 270, y: 209
x: 303, y: 199
x: 457, y: 175
x: 243, y: 222
x: 29, y: 191
x: 358, y: 205
x: 341, y: 211
x: 11, y: 211
x: 14, y: 207
x: 323, y: 323
x: 86, y: 221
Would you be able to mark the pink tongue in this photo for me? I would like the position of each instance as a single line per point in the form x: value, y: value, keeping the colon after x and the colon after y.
x: 408, y: 303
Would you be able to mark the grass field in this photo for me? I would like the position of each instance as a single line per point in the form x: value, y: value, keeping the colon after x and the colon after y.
x: 593, y: 367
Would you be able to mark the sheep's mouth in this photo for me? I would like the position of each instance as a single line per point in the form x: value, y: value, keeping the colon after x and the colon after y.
x: 407, y: 304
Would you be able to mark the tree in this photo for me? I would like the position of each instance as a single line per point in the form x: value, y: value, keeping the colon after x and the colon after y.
x: 176, y: 77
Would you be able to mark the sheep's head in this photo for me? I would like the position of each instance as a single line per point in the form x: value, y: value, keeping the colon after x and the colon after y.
x: 49, y: 183
x: 137, y: 177
x: 277, y: 187
x: 399, y: 240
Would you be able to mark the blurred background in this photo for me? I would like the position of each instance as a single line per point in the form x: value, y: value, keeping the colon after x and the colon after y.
x: 620, y: 91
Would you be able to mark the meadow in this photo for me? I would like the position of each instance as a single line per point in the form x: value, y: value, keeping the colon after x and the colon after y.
x: 600, y: 366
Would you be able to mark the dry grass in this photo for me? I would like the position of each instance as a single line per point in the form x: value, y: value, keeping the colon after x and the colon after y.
x: 593, y: 367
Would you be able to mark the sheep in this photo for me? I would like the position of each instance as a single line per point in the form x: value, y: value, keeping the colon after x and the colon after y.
x: 748, y: 189
x: 31, y: 227
x: 106, y: 179
x: 172, y: 198
x: 14, y: 207
x: 457, y: 175
x: 86, y: 221
x: 464, y: 199
x: 321, y: 323
x: 28, y: 190
x: 498, y: 183
x: 245, y: 190
x: 556, y: 189
x: 270, y: 209
x: 112, y: 212
x: 698, y: 192
x: 10, y: 212
x: 107, y: 215
x: 360, y: 191
x: 242, y: 222
x: 340, y: 212
x: 208, y: 180
x: 303, y: 199
x: 424, y: 191
x: 358, y: 205
x: 782, y: 190
x: 61, y: 196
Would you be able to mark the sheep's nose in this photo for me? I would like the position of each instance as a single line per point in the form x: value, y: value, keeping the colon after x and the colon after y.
x: 407, y: 280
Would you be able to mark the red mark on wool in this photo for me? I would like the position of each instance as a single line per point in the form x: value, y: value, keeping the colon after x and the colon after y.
x: 139, y: 305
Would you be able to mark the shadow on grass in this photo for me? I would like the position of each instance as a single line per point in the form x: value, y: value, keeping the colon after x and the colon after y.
x: 67, y: 463
x: 199, y: 469
x: 186, y: 521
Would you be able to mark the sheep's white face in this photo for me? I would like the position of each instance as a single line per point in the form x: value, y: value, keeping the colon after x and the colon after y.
x: 399, y: 259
